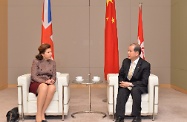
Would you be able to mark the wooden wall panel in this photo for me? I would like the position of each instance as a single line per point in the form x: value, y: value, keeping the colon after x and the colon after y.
x: 3, y: 44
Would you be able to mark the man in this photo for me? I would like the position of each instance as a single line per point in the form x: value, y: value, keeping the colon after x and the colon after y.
x: 133, y: 79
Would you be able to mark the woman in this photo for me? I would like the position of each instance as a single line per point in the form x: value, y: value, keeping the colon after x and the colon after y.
x: 43, y: 77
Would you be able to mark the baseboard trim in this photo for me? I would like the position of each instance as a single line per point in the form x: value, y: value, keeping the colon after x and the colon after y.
x: 12, y: 85
x: 173, y: 87
x: 165, y: 85
x: 179, y: 89
x: 3, y: 87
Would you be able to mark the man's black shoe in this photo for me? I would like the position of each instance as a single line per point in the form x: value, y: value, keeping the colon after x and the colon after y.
x: 119, y: 119
x: 137, y: 119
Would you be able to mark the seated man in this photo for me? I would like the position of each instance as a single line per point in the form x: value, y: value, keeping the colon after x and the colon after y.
x: 133, y: 79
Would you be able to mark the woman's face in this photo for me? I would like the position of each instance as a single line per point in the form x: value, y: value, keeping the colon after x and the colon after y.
x: 47, y: 55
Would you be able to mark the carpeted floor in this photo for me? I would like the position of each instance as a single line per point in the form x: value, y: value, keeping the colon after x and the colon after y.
x: 172, y: 106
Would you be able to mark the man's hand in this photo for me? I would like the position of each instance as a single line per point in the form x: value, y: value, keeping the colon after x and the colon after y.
x: 125, y: 84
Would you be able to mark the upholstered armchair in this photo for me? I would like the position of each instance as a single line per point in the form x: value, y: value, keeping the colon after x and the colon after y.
x: 27, y: 104
x: 149, y: 101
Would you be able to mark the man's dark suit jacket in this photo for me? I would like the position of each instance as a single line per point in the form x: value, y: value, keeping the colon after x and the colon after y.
x: 140, y: 76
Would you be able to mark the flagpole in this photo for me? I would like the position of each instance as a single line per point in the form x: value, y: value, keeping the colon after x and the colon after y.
x: 89, y: 74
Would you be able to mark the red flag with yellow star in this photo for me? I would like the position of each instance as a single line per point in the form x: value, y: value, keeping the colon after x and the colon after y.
x: 111, y: 40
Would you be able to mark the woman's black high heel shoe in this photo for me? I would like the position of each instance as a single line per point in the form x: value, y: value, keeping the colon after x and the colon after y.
x: 44, y: 120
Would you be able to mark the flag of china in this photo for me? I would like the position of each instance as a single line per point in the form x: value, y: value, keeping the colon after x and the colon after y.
x: 111, y: 64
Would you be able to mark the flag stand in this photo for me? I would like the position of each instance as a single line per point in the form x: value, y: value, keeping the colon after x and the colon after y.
x: 89, y: 74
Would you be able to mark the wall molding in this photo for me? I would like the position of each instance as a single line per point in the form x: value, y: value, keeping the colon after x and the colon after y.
x: 165, y: 85
x: 179, y: 89
x: 173, y: 87
x: 12, y: 85
x: 3, y: 87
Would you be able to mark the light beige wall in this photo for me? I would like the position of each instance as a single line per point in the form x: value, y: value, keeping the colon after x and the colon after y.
x: 179, y: 43
x: 76, y: 46
x: 3, y: 44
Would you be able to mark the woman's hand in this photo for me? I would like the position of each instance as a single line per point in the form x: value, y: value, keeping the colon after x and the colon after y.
x: 52, y: 81
x: 48, y: 81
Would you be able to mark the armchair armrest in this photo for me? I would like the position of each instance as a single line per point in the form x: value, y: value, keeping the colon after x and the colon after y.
x: 63, y: 79
x: 63, y: 89
x: 23, y: 89
x: 153, y: 93
x: 112, y: 91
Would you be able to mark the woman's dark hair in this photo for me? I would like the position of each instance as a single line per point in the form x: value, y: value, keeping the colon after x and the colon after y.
x: 42, y: 48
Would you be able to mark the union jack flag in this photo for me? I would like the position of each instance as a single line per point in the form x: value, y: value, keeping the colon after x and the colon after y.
x: 47, y: 25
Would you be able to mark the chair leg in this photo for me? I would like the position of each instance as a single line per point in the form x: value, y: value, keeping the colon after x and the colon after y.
x: 22, y: 118
x: 62, y: 103
x: 22, y: 113
x: 153, y: 105
x: 114, y: 116
x: 62, y: 117
x: 113, y: 104
x: 153, y: 118
x: 153, y: 115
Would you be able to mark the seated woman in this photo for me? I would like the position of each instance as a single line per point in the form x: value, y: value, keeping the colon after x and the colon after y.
x: 43, y: 77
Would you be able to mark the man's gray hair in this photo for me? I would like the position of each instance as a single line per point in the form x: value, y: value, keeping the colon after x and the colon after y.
x: 137, y: 47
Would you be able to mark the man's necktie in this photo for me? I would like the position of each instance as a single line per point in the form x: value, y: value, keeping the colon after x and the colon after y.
x: 130, y: 74
x: 131, y: 71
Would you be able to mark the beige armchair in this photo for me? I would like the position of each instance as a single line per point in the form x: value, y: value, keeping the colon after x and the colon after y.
x: 59, y: 104
x: 149, y: 101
